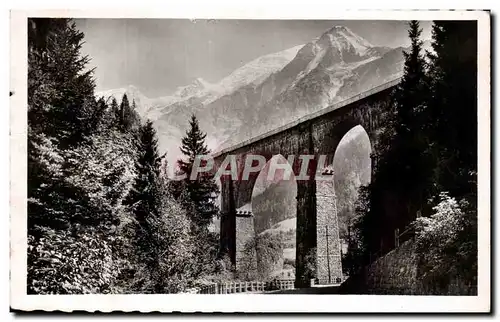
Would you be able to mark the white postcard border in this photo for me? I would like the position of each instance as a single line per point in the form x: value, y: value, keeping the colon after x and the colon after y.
x: 239, y: 302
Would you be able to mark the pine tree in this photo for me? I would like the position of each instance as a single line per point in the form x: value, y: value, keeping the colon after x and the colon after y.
x: 115, y: 111
x: 106, y: 120
x: 78, y: 170
x: 133, y: 118
x: 143, y: 195
x: 124, y: 108
x: 60, y: 87
x: 100, y: 118
x: 411, y: 93
x: 453, y: 105
x: 409, y: 158
x: 402, y: 176
x: 202, y: 191
x: 143, y: 198
x: 62, y: 112
x: 97, y: 213
x: 126, y: 115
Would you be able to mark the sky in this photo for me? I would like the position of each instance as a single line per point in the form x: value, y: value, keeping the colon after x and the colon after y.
x: 159, y: 55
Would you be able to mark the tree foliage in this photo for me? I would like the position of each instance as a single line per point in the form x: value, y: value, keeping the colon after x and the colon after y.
x: 425, y: 157
x: 100, y: 217
x: 453, y: 105
x: 64, y: 262
x: 198, y: 195
x: 126, y: 115
x: 79, y: 171
x: 169, y: 265
x: 262, y: 257
x: 452, y: 226
x: 202, y: 190
x: 61, y: 90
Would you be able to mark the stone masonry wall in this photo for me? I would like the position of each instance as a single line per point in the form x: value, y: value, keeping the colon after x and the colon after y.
x: 394, y: 273
x: 397, y: 273
x: 328, y: 260
x: 245, y: 229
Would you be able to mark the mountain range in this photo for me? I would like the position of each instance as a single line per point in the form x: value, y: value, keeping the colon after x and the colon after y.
x: 269, y: 91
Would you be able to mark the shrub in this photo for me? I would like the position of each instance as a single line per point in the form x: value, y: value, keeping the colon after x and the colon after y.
x: 447, y: 243
x: 63, y: 262
x: 174, y: 264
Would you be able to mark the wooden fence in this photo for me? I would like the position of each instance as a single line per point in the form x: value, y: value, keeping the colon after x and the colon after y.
x: 243, y: 287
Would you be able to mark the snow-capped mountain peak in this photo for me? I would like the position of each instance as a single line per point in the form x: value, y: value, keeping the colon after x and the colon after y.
x: 345, y: 43
x: 205, y: 92
x: 271, y: 90
x: 134, y: 94
x: 348, y: 34
x: 335, y: 66
x: 258, y: 69
x: 198, y: 86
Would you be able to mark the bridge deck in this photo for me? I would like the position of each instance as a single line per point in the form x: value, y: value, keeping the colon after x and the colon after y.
x: 310, y: 116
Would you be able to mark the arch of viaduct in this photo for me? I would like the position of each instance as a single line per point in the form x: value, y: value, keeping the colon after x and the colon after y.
x: 316, y: 134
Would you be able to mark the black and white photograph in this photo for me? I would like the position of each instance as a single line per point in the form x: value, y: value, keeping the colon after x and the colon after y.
x: 231, y: 157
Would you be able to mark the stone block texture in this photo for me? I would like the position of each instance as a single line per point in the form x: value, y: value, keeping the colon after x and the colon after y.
x: 328, y: 258
x: 245, y: 233
x: 397, y: 273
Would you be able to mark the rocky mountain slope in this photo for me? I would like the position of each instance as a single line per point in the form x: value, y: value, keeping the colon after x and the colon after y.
x: 170, y: 113
x: 271, y: 90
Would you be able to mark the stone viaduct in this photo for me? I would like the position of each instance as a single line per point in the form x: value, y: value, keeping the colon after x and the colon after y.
x: 316, y: 134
